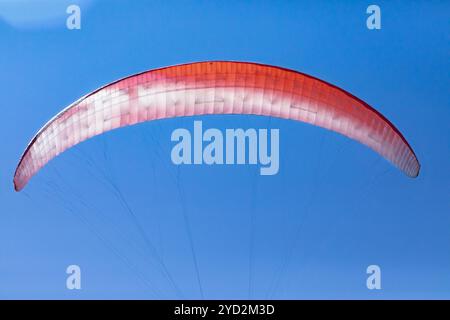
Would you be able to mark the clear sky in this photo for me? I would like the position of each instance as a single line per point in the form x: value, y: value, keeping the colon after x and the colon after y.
x: 334, y: 208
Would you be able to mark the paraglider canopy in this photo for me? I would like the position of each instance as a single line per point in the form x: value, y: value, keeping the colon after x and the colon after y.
x: 216, y: 87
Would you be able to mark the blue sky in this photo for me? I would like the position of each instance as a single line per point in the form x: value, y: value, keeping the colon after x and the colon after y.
x: 334, y: 208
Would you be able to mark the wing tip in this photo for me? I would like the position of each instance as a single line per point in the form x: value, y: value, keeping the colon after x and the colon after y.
x: 17, y: 185
x: 415, y: 171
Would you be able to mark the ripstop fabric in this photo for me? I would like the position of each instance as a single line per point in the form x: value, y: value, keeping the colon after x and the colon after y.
x: 216, y: 87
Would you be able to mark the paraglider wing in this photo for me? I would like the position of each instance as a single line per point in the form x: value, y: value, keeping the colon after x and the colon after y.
x: 216, y: 88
